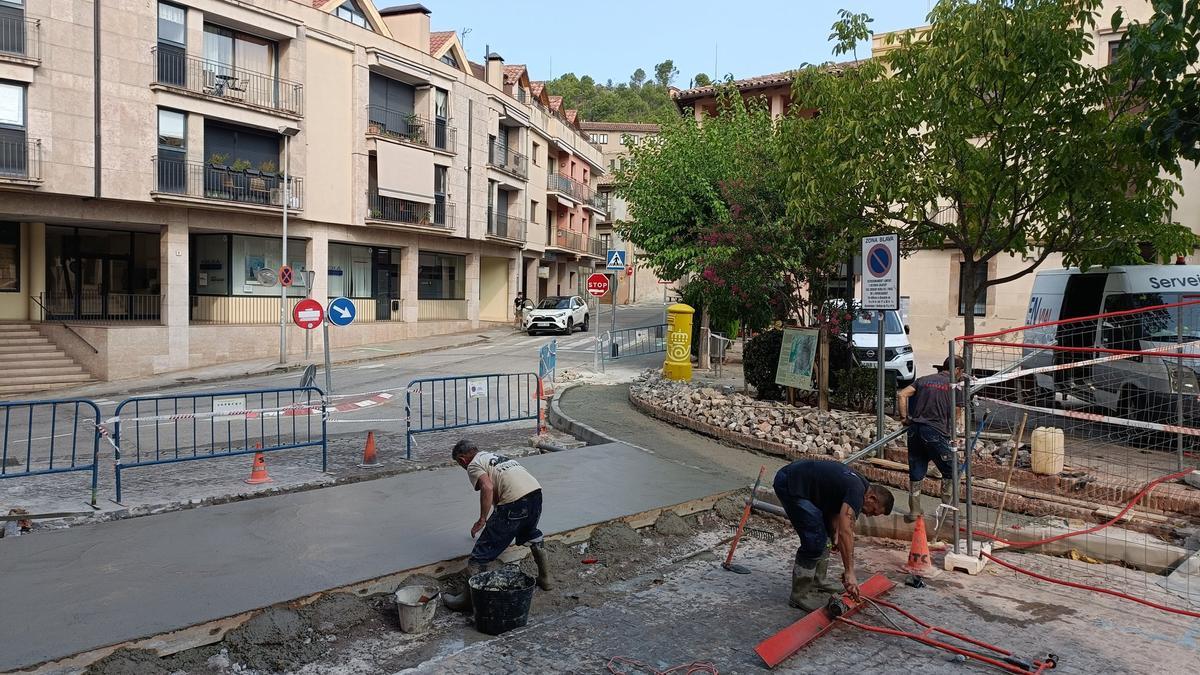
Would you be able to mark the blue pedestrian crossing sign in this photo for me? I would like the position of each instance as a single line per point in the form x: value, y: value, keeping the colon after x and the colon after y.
x: 616, y: 259
x: 341, y: 312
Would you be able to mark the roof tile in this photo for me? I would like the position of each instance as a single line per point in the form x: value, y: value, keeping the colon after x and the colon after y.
x: 438, y: 39
x: 512, y: 74
x: 756, y: 82
x: 620, y: 126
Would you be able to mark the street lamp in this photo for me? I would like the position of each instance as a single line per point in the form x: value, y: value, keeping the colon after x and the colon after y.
x: 287, y: 132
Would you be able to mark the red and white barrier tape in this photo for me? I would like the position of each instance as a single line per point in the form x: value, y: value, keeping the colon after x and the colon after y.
x: 1004, y: 377
x: 292, y: 410
x: 1094, y: 417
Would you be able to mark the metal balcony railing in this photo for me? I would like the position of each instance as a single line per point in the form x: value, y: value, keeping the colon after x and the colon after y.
x: 392, y: 210
x: 20, y: 36
x: 599, y: 201
x: 219, y: 80
x: 205, y: 180
x: 410, y: 128
x: 568, y: 187
x: 597, y: 247
x: 92, y: 305
x: 506, y: 159
x: 20, y: 159
x: 504, y: 226
x: 572, y: 241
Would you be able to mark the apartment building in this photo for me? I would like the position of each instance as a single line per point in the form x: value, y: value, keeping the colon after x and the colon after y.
x: 151, y: 154
x: 930, y: 301
x: 642, y: 285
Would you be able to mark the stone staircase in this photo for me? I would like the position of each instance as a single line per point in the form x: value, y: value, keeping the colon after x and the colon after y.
x: 30, y: 362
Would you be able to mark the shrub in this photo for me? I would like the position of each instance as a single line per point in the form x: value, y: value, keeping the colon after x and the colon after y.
x: 759, y: 363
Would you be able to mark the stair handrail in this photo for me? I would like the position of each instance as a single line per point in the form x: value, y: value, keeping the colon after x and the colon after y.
x: 63, y: 323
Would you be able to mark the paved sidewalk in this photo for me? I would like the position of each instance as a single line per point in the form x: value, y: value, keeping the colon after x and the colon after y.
x: 93, y: 586
x: 238, y: 369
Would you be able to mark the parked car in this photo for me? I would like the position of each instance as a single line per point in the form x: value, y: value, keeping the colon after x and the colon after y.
x: 558, y: 314
x: 898, y: 356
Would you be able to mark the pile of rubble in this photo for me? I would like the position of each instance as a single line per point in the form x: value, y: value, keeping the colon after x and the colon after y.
x: 805, y: 429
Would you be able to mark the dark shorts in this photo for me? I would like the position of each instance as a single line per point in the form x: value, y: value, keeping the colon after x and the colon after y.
x: 807, y: 520
x: 927, y: 444
x: 513, y: 521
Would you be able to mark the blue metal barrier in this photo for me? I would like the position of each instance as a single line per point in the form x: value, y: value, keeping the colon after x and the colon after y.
x: 166, y: 429
x: 548, y: 360
x: 444, y: 403
x: 52, y: 436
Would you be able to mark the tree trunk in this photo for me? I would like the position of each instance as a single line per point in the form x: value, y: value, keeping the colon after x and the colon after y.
x: 969, y: 295
x: 705, y: 360
x: 823, y: 368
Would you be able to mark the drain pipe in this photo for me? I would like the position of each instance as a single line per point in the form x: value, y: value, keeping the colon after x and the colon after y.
x: 548, y: 447
x: 96, y: 97
x: 470, y: 159
x: 767, y: 507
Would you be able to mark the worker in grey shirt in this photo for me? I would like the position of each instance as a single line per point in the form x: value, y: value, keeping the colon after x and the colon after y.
x: 930, y: 425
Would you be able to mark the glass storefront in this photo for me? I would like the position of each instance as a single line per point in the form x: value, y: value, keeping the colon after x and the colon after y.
x: 228, y: 264
x: 441, y: 276
x: 366, y: 273
x: 102, y: 274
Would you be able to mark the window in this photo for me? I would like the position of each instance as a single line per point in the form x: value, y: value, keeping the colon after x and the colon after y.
x: 12, y: 26
x: 350, y: 271
x: 224, y: 264
x: 441, y: 114
x: 599, y: 139
x: 10, y: 257
x: 612, y: 164
x: 537, y: 151
x: 14, y: 152
x: 448, y: 59
x: 440, y: 181
x: 441, y: 276
x: 349, y: 11
x: 533, y: 211
x: 606, y: 241
x: 226, y: 51
x: 172, y: 45
x: 391, y: 106
x: 172, y: 151
x: 1114, y: 46
x: 980, y: 308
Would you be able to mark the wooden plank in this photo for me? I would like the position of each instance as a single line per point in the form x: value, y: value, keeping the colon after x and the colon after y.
x: 782, y: 645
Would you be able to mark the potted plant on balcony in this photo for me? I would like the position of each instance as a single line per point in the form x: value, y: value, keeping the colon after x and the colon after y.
x: 241, y: 165
x: 375, y: 128
x: 415, y: 129
x: 218, y: 160
x: 376, y: 214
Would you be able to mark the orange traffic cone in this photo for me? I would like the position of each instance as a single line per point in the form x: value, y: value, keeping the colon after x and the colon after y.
x: 258, y: 472
x: 919, y: 561
x: 369, y: 461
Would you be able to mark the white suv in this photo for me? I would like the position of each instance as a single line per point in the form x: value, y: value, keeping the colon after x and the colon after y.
x: 558, y: 313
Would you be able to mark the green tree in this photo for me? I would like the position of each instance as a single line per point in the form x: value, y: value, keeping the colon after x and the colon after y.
x: 701, y: 80
x: 665, y: 73
x: 644, y: 102
x: 986, y: 133
x: 1160, y: 58
x: 638, y: 78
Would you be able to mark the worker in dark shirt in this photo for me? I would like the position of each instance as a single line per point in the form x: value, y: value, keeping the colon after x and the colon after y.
x: 822, y: 499
x: 930, y: 427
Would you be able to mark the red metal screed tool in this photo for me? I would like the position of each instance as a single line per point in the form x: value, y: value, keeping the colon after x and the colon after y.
x: 728, y: 564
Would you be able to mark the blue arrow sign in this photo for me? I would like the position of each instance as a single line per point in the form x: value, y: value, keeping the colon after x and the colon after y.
x: 616, y: 259
x: 341, y: 312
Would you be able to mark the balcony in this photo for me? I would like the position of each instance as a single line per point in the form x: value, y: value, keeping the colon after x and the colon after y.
x: 598, y: 202
x: 502, y: 158
x: 392, y: 210
x: 20, y: 39
x: 410, y: 128
x: 558, y: 184
x: 20, y: 161
x: 506, y: 227
x: 597, y: 247
x: 216, y: 182
x: 215, y: 80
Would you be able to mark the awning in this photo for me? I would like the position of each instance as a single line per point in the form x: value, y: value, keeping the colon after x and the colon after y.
x: 404, y: 172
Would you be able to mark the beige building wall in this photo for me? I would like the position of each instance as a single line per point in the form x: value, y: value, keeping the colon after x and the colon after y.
x: 494, y: 296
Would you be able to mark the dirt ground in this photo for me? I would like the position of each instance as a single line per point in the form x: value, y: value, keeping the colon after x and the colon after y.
x: 660, y: 597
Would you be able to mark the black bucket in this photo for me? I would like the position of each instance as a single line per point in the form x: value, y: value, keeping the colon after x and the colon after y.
x: 501, y: 599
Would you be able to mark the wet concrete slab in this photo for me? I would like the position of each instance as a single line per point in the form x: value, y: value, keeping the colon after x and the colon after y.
x: 93, y: 586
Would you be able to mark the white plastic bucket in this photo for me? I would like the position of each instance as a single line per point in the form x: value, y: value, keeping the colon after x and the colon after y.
x: 417, y: 605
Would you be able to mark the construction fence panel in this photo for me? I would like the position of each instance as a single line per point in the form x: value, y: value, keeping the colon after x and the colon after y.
x: 627, y: 342
x: 156, y: 430
x: 457, y: 402
x: 52, y: 436
x: 1093, y: 419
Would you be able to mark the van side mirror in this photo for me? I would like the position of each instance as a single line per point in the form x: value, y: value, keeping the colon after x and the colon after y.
x: 907, y: 330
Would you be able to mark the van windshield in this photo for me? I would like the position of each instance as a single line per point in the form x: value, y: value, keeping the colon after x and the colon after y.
x: 868, y: 322
x: 1156, y: 325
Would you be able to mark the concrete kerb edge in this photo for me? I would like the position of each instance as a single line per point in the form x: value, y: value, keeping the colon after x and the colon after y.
x: 561, y: 421
x: 212, y: 632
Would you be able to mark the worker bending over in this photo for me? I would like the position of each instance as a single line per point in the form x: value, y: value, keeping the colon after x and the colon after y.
x: 930, y: 428
x: 822, y: 499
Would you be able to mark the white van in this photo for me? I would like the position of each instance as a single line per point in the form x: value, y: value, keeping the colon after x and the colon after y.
x: 898, y: 351
x: 1141, y: 387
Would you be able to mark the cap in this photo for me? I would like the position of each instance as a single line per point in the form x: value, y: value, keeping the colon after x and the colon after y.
x: 958, y: 364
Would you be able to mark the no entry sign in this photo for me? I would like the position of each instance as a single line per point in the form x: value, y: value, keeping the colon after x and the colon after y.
x: 597, y: 284
x: 308, y: 314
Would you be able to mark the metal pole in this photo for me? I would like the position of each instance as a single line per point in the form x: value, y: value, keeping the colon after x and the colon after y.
x: 283, y: 259
x: 328, y: 370
x: 953, y: 440
x: 880, y: 337
x: 1179, y: 386
x: 968, y: 440
x: 616, y: 277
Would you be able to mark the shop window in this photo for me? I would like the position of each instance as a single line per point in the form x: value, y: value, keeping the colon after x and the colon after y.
x: 10, y: 257
x: 441, y: 276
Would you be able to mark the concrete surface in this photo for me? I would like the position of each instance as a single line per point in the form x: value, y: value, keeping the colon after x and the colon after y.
x: 103, y: 584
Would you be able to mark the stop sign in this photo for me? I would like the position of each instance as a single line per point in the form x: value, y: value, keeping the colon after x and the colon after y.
x: 597, y: 284
x: 308, y: 314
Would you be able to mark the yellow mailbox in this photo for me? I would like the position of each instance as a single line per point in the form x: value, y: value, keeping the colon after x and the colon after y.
x: 678, y: 365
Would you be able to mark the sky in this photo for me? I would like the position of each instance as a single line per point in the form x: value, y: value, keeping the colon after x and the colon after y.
x: 612, y: 38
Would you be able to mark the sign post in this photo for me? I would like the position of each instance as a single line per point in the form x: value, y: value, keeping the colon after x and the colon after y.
x: 308, y: 314
x: 880, y: 293
x: 616, y: 264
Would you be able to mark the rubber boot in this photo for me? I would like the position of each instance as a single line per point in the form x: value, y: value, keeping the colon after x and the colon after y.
x: 915, y: 510
x: 824, y: 584
x: 462, y: 601
x: 947, y: 491
x: 543, y: 565
x: 805, y: 594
